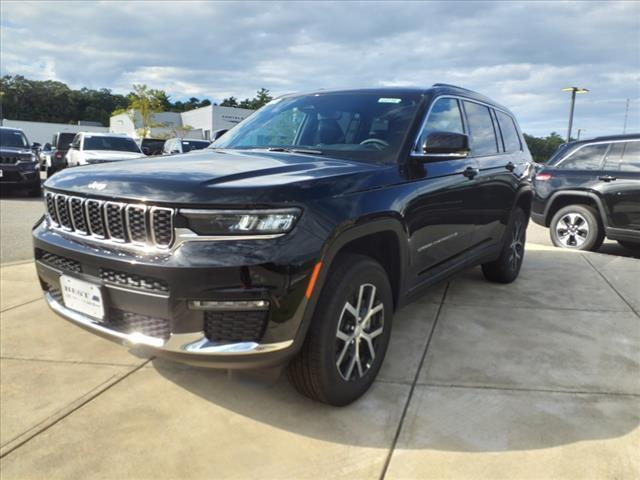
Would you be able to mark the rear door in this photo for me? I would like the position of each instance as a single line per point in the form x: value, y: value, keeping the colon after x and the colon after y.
x: 621, y: 185
x: 496, y: 180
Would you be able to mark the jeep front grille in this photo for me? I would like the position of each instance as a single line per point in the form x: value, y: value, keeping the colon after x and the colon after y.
x: 114, y: 221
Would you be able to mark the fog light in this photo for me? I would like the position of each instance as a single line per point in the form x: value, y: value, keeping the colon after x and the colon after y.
x: 230, y: 305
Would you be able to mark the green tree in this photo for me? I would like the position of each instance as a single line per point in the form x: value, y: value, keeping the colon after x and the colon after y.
x: 542, y: 148
x: 146, y: 102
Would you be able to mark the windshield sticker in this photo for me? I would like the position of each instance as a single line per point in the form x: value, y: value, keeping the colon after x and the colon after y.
x: 389, y: 100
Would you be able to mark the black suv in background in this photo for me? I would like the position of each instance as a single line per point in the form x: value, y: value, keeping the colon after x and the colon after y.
x: 295, y: 237
x: 591, y: 189
x: 19, y: 165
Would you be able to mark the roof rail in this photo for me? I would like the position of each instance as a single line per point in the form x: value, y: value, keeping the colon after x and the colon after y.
x: 450, y: 85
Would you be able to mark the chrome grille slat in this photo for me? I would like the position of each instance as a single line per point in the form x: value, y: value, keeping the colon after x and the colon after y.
x: 123, y: 223
x: 78, y: 220
x: 136, y: 221
x: 115, y: 221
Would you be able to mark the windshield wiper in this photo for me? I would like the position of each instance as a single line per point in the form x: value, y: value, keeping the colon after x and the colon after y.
x: 295, y: 150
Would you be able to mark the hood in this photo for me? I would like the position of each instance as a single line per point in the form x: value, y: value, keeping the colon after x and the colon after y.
x: 223, y: 177
x: 110, y: 155
x: 15, y: 151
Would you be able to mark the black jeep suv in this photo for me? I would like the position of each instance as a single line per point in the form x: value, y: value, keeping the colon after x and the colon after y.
x: 591, y: 189
x: 19, y: 166
x: 295, y: 236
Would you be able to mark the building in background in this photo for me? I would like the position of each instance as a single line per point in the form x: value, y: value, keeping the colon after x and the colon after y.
x: 42, y: 132
x: 212, y: 117
x: 195, y: 124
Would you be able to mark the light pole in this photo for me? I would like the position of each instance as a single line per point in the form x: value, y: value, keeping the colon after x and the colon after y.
x: 573, y: 91
x: 580, y: 130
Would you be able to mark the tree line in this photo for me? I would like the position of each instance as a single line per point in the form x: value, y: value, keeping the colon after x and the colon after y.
x: 53, y: 101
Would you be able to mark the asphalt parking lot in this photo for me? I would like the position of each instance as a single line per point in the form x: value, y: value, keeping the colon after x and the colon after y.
x: 538, y: 379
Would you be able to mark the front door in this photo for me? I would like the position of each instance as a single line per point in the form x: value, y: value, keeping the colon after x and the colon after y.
x: 439, y: 214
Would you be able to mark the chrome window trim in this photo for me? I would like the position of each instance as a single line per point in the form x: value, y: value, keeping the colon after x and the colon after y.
x: 104, y: 224
x: 414, y: 148
x: 152, y: 211
x: 599, y: 142
x: 121, y: 207
x: 128, y: 223
x: 75, y: 228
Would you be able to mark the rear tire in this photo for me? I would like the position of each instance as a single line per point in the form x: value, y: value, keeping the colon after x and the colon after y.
x: 507, y: 267
x: 577, y: 227
x: 349, y: 333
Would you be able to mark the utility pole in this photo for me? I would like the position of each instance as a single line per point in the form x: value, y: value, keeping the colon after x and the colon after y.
x: 580, y: 130
x: 573, y: 91
x: 626, y: 115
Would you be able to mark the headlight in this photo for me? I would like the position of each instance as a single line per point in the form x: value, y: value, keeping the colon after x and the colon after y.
x: 241, y: 222
x: 32, y: 159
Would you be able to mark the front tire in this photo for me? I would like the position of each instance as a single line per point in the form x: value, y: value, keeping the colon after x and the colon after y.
x: 577, y: 227
x: 507, y: 267
x: 349, y: 333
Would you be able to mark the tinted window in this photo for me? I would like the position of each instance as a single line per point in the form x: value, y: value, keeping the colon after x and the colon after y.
x: 444, y: 117
x: 64, y: 139
x: 631, y: 157
x: 483, y: 137
x: 585, y: 158
x: 120, y: 144
x: 509, y: 132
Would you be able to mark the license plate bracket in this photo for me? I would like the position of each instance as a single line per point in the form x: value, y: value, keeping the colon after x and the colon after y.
x: 83, y: 297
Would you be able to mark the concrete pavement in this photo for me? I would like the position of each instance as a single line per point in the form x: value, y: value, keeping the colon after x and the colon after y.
x: 538, y: 379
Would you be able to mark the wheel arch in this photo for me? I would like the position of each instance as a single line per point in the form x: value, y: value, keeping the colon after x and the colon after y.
x: 570, y: 197
x: 383, y: 239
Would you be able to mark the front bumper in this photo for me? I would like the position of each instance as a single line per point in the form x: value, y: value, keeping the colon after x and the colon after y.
x: 19, y: 175
x: 159, y: 286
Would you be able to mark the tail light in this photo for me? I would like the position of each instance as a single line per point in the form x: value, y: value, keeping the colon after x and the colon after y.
x: 543, y: 177
x: 58, y: 155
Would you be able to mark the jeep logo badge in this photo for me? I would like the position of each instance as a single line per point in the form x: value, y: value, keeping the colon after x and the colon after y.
x: 97, y: 186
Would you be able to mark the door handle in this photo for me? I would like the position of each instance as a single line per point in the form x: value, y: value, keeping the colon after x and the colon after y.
x: 470, y: 172
x: 510, y: 166
x: 607, y: 178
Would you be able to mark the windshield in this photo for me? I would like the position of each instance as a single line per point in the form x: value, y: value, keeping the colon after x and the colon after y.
x: 120, y: 144
x: 355, y: 126
x: 13, y: 138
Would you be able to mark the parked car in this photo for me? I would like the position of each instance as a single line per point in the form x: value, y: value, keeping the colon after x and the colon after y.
x: 151, y: 146
x: 175, y: 146
x: 55, y: 158
x: 90, y: 148
x: 295, y: 237
x: 590, y: 190
x: 19, y: 165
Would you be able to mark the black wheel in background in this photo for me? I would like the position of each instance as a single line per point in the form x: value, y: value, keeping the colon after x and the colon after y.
x: 577, y: 227
x: 507, y: 267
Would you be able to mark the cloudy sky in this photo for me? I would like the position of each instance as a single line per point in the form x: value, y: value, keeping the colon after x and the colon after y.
x: 519, y: 53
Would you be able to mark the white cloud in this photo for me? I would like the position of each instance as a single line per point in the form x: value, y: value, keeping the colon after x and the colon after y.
x: 521, y: 54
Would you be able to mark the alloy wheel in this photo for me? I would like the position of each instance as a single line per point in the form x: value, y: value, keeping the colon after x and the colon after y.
x: 517, y: 245
x: 358, y: 329
x: 572, y: 230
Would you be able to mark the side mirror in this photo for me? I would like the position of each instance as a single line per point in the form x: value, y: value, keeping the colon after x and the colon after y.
x: 174, y: 151
x: 71, y: 146
x: 218, y: 133
x: 145, y: 150
x: 445, y: 146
